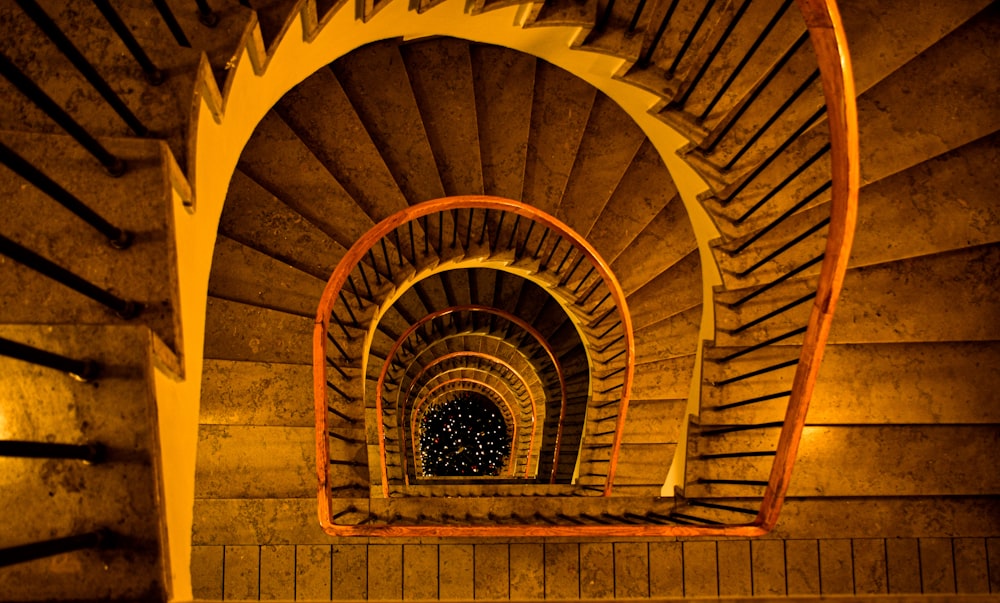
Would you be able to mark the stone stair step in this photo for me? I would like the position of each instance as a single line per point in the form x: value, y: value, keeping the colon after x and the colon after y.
x: 258, y: 219
x: 301, y: 181
x: 946, y: 95
x: 918, y: 299
x: 663, y: 379
x: 236, y: 331
x: 671, y: 292
x: 653, y: 421
x: 873, y: 460
x: 788, y: 27
x: 320, y: 113
x: 257, y: 461
x: 140, y: 201
x: 245, y: 275
x: 561, y: 108
x: 377, y: 84
x: 607, y: 153
x: 238, y: 392
x: 905, y: 32
x: 638, y: 465
x: 664, y: 241
x: 275, y: 521
x: 440, y: 74
x: 945, y: 383
x: 955, y: 102
x: 669, y: 338
x: 504, y: 82
x: 943, y: 212
x: 643, y: 191
x: 52, y: 498
x: 162, y: 110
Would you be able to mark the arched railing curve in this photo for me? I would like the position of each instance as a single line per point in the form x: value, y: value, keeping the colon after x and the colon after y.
x: 463, y: 383
x: 493, y: 360
x: 521, y: 323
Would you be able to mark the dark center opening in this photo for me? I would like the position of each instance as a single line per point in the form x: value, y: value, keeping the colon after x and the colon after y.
x: 467, y: 435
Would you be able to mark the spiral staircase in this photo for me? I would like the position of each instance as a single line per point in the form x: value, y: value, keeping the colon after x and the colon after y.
x: 493, y: 214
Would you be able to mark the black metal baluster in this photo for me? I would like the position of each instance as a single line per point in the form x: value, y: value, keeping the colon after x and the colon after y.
x: 647, y: 56
x: 773, y: 119
x: 113, y: 165
x: 206, y: 15
x: 385, y: 256
x: 486, y: 221
x: 774, y: 70
x: 693, y: 82
x: 70, y: 51
x: 634, y: 21
x: 773, y: 283
x: 413, y: 247
x: 745, y: 59
x: 822, y: 223
x: 92, y: 453
x: 123, y: 308
x: 371, y: 258
x: 119, y: 238
x: 81, y: 370
x: 399, y: 248
x: 171, y: 22
x: 690, y: 38
x: 56, y: 546
x: 153, y: 75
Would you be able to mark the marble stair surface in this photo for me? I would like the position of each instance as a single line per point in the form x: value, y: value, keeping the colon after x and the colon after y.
x: 54, y: 498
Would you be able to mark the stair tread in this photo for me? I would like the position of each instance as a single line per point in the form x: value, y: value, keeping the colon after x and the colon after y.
x: 562, y: 104
x: 672, y: 291
x: 943, y: 382
x: 51, y: 498
x: 301, y: 181
x: 440, y: 74
x: 941, y: 297
x: 241, y: 273
x: 142, y: 273
x: 504, y: 83
x: 237, y: 331
x: 376, y: 82
x: 319, y: 111
x: 607, y: 153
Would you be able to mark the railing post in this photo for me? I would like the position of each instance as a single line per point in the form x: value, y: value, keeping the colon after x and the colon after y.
x: 123, y: 308
x: 81, y: 370
x: 92, y: 453
x: 153, y: 75
x: 119, y: 238
x: 47, y: 548
x: 171, y: 22
x: 114, y: 165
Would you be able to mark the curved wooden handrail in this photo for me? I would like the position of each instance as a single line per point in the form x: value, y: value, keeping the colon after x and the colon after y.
x: 361, y: 247
x: 830, y: 44
x: 462, y: 380
x: 494, y: 360
x: 521, y: 323
x: 829, y: 41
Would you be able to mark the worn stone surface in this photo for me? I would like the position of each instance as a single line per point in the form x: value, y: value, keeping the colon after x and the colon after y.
x: 942, y: 383
x: 54, y: 498
x: 142, y: 273
x: 440, y: 74
x: 321, y: 114
x: 558, y: 121
x: 243, y: 274
x: 607, y: 151
x: 504, y: 83
x: 303, y: 183
x: 377, y: 84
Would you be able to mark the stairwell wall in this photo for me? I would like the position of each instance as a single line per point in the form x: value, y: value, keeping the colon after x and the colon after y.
x: 221, y: 125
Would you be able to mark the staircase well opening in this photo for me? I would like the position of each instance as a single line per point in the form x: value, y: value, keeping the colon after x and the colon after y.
x: 466, y: 435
